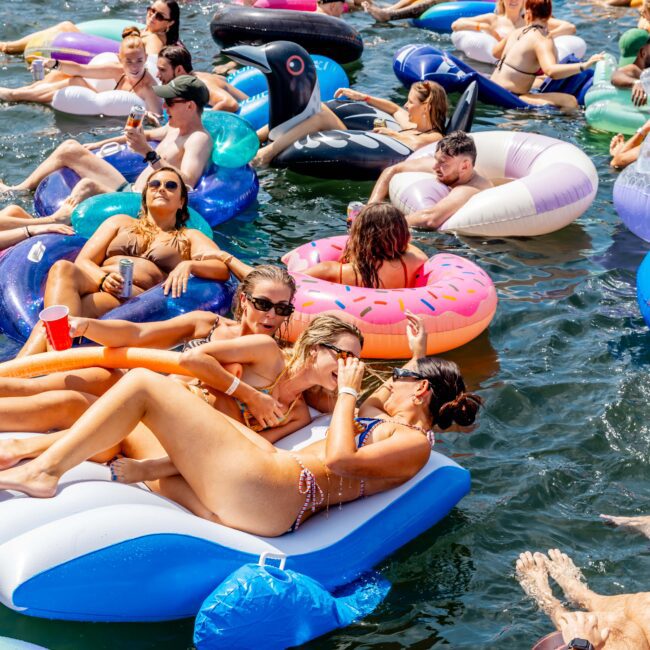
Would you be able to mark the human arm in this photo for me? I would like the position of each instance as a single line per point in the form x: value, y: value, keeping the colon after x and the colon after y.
x: 398, y: 457
x: 150, y: 134
x: 92, y: 70
x: 625, y: 152
x: 297, y: 419
x: 557, y: 27
x: 238, y: 268
x: 382, y: 104
x: 197, y: 150
x: 546, y: 55
x: 482, y: 23
x: 582, y: 625
x: 14, y: 235
x: 499, y: 48
x: 205, y: 363
x: 159, y: 334
x: 433, y: 217
x: 380, y: 190
x: 328, y: 271
x: 629, y: 77
x: 205, y: 263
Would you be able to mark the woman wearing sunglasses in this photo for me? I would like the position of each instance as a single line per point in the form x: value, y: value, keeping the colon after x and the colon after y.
x: 162, y: 28
x: 214, y: 458
x: 161, y: 247
x: 128, y: 73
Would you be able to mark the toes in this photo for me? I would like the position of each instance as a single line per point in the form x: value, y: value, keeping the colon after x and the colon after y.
x: 540, y: 560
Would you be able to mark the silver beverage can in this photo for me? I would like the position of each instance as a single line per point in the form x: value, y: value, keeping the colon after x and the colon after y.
x: 354, y: 207
x: 379, y: 123
x: 38, y: 69
x: 136, y: 116
x: 126, y: 271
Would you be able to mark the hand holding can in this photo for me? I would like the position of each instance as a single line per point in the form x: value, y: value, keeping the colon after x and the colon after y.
x: 134, y: 120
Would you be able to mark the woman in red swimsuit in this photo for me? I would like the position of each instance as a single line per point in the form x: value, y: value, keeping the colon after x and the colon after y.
x: 378, y: 254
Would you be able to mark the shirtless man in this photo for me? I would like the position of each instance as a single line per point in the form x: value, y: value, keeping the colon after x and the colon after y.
x: 615, y: 622
x: 184, y: 145
x: 175, y: 60
x: 527, y: 49
x: 454, y: 166
x: 628, y: 76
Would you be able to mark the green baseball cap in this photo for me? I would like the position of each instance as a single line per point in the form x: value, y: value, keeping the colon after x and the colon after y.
x: 630, y: 43
x: 185, y: 86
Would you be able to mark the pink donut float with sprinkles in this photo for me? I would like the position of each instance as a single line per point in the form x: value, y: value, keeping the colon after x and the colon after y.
x: 455, y: 297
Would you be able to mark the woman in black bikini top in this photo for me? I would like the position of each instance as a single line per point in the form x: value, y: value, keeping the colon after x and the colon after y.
x: 502, y: 61
x: 379, y: 240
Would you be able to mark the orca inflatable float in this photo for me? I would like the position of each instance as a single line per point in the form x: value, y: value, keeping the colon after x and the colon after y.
x: 317, y: 33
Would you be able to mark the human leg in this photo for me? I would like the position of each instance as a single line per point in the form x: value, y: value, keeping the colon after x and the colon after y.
x: 95, y: 381
x: 562, y: 569
x: 639, y: 524
x: 73, y: 155
x: 18, y: 46
x: 563, y: 101
x: 533, y: 577
x: 41, y: 92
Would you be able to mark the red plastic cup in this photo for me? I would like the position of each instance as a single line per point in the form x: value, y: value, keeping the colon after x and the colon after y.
x: 55, y: 319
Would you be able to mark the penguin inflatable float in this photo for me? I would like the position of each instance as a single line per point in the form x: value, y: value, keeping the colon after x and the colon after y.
x: 355, y: 154
x: 317, y: 33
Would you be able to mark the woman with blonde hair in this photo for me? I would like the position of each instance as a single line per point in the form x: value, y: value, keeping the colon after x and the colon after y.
x: 129, y: 73
x: 158, y: 242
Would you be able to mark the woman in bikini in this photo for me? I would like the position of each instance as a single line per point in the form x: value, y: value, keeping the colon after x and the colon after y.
x: 129, y: 73
x: 162, y: 28
x: 529, y: 48
x: 508, y: 16
x: 215, y: 457
x: 158, y: 242
x: 423, y: 120
x: 378, y: 253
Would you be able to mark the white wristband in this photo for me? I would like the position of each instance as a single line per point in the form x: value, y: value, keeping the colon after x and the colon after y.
x: 348, y: 391
x: 234, y: 386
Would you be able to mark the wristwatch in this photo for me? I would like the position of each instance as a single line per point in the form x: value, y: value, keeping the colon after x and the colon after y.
x: 152, y: 157
x: 580, y: 644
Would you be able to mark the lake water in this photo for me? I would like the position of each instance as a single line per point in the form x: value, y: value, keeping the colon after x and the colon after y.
x: 563, y: 367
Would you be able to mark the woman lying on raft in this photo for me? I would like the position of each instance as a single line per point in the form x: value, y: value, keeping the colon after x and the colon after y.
x: 272, y: 382
x: 159, y: 244
x: 214, y: 457
x: 508, y: 16
x: 129, y: 74
x: 162, y: 28
x: 422, y: 118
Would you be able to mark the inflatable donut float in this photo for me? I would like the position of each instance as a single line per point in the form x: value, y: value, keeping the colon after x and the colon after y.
x: 456, y: 298
x: 632, y: 200
x: 554, y: 184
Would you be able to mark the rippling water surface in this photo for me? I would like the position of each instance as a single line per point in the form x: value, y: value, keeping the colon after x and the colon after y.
x: 563, y: 368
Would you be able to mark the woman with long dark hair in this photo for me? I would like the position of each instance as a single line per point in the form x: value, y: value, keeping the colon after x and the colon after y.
x: 158, y: 242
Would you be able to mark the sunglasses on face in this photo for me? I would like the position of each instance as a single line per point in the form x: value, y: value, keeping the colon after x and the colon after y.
x: 168, y: 185
x: 173, y: 102
x: 340, y: 354
x: 264, y: 304
x: 403, y: 373
x: 157, y: 15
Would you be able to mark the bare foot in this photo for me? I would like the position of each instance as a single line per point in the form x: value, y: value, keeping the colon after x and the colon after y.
x: 64, y: 212
x: 10, y: 453
x: 533, y: 578
x: 5, y: 94
x: 129, y: 470
x: 379, y: 14
x: 29, y: 480
x: 639, y: 524
x: 616, y: 143
x: 568, y: 576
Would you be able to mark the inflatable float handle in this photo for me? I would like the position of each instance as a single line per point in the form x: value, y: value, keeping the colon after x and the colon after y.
x: 269, y: 555
x: 110, y: 148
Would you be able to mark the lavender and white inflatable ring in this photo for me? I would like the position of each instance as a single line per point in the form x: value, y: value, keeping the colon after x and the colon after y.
x: 552, y: 184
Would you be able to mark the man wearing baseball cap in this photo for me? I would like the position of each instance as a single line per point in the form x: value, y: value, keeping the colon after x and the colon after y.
x: 183, y: 144
x: 634, y: 46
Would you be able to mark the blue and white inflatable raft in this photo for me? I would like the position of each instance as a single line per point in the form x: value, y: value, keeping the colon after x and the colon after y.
x: 103, y: 551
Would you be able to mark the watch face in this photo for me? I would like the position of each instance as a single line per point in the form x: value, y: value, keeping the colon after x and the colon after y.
x: 581, y: 644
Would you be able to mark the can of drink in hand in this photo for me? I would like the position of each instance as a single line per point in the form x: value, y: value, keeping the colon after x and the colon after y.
x: 126, y: 271
x: 38, y: 69
x: 354, y: 207
x: 379, y: 123
x: 136, y: 116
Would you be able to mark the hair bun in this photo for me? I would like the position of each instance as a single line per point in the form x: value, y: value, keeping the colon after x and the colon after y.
x: 461, y: 410
x: 130, y: 31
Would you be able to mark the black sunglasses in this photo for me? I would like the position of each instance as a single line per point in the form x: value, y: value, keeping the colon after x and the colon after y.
x: 264, y: 304
x: 340, y: 354
x: 403, y: 373
x: 154, y: 184
x: 157, y: 15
